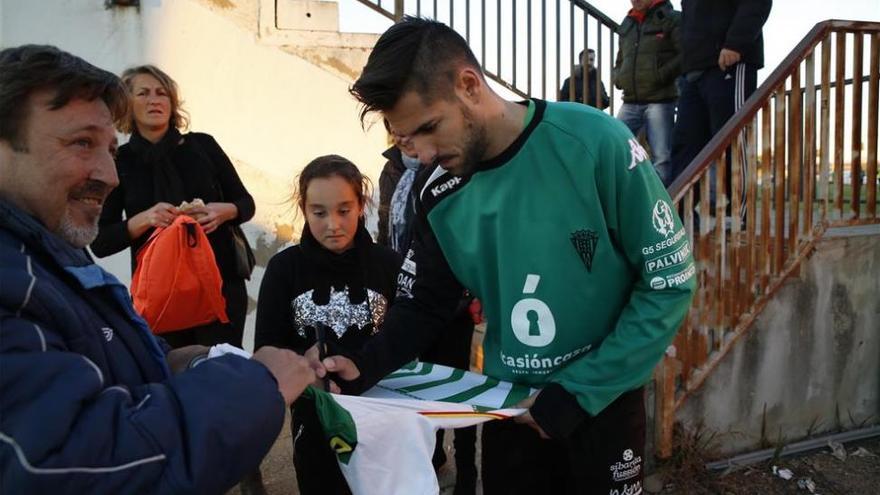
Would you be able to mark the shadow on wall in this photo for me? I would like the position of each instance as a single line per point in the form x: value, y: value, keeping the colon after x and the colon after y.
x: 223, y: 4
x: 811, y: 363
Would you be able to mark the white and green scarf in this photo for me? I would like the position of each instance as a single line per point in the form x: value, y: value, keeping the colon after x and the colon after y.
x: 384, y: 439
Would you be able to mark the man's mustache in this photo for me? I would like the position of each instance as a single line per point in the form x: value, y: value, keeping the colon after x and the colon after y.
x: 94, y: 189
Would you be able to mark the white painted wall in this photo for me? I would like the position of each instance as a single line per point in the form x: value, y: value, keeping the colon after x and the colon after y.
x: 271, y: 111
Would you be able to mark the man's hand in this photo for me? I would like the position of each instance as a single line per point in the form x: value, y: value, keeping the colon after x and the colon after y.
x: 313, y: 357
x: 179, y: 359
x: 341, y: 365
x: 527, y: 418
x: 291, y: 371
x: 728, y: 58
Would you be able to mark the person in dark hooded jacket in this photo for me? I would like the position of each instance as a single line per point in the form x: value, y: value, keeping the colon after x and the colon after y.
x: 722, y: 50
x: 396, y: 223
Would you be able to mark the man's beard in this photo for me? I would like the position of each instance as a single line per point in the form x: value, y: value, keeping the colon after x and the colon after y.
x: 79, y: 236
x: 475, y: 147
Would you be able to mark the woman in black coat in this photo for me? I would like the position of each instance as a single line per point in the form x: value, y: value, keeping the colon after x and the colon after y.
x: 158, y: 169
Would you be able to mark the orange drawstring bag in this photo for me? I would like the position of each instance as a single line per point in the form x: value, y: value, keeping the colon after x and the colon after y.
x: 177, y: 284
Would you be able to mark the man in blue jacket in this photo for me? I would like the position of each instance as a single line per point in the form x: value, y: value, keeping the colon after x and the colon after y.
x: 90, y: 401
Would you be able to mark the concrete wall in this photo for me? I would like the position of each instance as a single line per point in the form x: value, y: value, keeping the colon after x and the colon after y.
x: 812, y: 359
x: 271, y: 110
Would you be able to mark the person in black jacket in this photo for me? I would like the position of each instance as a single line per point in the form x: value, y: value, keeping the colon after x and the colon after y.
x: 722, y: 50
x: 587, y: 58
x: 396, y: 222
x: 158, y: 169
x: 333, y: 287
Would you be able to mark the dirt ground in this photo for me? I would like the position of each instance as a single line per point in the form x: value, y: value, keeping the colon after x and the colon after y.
x: 858, y: 474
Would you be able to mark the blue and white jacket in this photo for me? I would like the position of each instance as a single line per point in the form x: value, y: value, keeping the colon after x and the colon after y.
x: 87, y: 401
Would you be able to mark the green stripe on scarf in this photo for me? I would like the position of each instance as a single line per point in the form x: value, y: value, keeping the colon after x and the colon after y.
x: 456, y: 376
x: 489, y: 384
x: 517, y: 393
x: 427, y: 368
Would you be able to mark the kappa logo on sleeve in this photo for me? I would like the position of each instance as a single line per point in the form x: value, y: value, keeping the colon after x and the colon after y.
x: 440, y: 184
x: 445, y: 186
x: 637, y: 153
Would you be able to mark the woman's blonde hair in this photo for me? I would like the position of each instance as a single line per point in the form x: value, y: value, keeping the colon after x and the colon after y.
x: 179, y: 117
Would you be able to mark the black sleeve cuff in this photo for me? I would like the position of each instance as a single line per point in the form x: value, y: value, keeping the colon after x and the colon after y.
x: 557, y: 411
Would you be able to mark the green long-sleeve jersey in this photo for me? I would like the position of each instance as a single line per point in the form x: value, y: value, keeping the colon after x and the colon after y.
x: 571, y: 243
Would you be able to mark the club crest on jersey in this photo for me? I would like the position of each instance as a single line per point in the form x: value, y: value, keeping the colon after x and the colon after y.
x: 584, y: 242
x: 662, y: 218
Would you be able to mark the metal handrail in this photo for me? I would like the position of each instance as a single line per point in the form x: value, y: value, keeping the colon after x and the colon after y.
x: 803, y: 189
x: 721, y: 140
x: 605, y: 28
